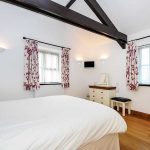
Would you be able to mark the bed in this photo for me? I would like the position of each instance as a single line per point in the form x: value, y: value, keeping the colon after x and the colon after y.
x: 58, y: 123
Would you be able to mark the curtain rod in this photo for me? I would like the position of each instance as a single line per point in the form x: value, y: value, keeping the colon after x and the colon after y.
x: 140, y: 38
x: 46, y: 43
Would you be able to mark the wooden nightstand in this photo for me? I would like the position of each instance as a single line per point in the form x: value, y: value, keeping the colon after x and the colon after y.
x: 102, y: 94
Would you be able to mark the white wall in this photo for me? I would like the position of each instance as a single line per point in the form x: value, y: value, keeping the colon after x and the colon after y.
x: 85, y: 46
x: 17, y: 22
x: 92, y: 47
x: 115, y: 66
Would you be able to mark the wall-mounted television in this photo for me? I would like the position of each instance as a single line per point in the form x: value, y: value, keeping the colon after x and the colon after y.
x: 89, y: 64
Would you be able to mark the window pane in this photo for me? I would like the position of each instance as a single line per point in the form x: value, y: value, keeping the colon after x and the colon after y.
x: 40, y: 59
x: 51, y: 61
x: 145, y: 56
x: 145, y: 74
x: 55, y: 76
x: 48, y: 76
x: 49, y: 67
x: 55, y: 62
x: 41, y: 74
x: 48, y: 60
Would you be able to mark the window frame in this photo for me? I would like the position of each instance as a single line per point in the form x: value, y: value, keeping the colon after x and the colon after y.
x: 140, y: 66
x: 59, y: 67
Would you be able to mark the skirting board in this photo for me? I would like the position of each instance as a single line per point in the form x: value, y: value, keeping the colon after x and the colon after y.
x: 137, y: 114
x: 140, y: 115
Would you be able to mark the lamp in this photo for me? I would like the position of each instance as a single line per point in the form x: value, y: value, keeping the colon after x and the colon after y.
x: 103, y: 58
x: 103, y: 61
x: 79, y: 60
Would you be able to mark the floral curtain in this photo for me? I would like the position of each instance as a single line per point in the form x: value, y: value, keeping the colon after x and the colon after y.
x: 31, y: 65
x: 132, y: 66
x: 65, y: 68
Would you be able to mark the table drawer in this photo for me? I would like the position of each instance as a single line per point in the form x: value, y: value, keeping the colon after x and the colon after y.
x: 101, y: 96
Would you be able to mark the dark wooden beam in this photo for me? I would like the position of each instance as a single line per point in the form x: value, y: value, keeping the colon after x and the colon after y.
x: 95, y: 7
x: 99, y: 12
x: 70, y: 3
x: 52, y: 9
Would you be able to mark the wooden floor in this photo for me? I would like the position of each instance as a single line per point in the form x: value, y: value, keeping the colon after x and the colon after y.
x: 137, y: 136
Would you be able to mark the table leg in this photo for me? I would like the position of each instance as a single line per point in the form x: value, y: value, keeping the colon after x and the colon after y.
x: 112, y: 104
x: 129, y: 108
x: 123, y: 109
x: 117, y: 106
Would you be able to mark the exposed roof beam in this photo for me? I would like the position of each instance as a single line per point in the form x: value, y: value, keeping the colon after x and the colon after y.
x: 95, y: 7
x: 52, y: 9
x: 99, y: 12
x: 70, y: 3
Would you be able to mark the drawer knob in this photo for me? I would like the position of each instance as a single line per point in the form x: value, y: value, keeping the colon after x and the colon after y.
x: 101, y: 92
x: 93, y: 96
x: 101, y: 97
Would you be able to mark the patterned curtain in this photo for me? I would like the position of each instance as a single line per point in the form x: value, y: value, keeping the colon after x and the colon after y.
x: 31, y: 66
x: 65, y: 68
x: 132, y: 66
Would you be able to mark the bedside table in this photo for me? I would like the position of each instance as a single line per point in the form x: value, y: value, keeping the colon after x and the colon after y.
x: 102, y: 94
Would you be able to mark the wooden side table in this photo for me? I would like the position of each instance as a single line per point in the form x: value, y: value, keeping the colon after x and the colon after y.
x: 102, y: 94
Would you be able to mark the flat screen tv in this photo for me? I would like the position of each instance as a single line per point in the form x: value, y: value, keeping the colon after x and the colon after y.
x: 89, y: 64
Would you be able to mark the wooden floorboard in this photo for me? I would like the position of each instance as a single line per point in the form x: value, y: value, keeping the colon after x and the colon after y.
x: 137, y: 136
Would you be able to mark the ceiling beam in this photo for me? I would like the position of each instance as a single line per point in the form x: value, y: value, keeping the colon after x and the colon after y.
x: 95, y: 7
x: 99, y: 12
x: 52, y: 9
x: 70, y: 3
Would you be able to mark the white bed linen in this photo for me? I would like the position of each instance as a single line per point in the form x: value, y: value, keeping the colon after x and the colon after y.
x: 55, y: 123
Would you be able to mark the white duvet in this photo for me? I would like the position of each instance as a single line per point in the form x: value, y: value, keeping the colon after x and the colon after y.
x: 55, y: 123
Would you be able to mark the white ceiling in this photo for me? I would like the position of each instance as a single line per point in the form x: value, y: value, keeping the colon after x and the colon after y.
x: 129, y: 16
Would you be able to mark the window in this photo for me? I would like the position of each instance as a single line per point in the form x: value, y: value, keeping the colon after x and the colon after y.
x: 144, y: 65
x: 49, y: 67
